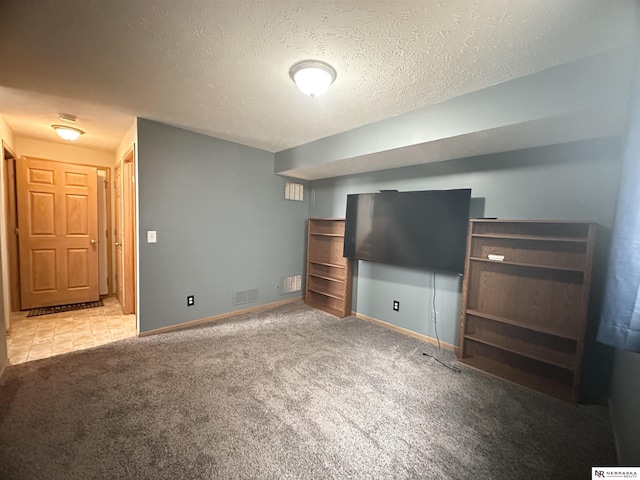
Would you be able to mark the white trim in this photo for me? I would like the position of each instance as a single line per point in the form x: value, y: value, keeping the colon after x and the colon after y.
x: 616, y: 441
x: 4, y: 368
x: 405, y: 331
x: 4, y: 251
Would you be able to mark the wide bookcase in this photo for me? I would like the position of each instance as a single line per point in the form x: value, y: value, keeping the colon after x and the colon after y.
x: 523, y: 317
x: 328, y: 285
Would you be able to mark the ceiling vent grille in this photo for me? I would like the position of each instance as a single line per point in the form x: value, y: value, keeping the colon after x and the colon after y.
x: 245, y: 296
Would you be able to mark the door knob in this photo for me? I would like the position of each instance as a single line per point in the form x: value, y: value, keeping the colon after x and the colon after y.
x: 118, y: 244
x: 93, y: 242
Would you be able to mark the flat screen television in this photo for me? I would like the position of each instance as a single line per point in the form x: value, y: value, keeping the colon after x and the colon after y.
x: 423, y: 229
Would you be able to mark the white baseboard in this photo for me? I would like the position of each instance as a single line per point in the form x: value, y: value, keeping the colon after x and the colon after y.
x: 616, y: 442
x: 405, y: 331
x: 192, y: 323
x: 3, y: 367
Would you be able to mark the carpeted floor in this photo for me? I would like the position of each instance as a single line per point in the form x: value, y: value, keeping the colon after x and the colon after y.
x: 286, y: 393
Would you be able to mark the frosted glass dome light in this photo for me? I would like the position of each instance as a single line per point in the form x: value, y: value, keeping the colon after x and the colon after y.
x: 67, y: 133
x: 313, y: 77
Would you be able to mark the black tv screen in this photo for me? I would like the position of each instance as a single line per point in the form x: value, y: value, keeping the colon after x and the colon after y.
x: 424, y: 229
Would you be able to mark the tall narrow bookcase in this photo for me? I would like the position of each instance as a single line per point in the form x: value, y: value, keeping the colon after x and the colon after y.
x: 524, y: 310
x: 328, y: 285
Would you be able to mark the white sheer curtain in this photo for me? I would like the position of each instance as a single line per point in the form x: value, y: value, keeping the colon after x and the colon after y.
x: 620, y: 320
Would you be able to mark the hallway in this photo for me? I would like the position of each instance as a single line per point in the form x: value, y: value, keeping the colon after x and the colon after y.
x: 48, y: 335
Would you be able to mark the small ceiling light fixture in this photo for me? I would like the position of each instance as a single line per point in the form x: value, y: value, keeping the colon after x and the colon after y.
x: 312, y: 77
x: 67, y: 133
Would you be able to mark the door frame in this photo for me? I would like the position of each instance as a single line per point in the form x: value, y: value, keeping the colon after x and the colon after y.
x: 107, y: 219
x: 10, y: 260
x: 118, y: 256
x: 11, y: 224
x: 128, y: 231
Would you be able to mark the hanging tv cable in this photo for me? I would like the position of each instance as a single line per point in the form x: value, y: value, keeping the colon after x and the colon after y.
x: 435, y: 327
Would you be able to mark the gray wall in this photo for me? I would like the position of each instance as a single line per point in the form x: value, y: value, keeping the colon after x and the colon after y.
x: 577, y: 181
x: 625, y: 398
x: 222, y: 226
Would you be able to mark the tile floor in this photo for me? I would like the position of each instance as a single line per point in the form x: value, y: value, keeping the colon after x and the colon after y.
x: 48, y: 335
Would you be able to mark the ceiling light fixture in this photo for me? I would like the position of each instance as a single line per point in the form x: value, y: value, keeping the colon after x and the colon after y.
x: 312, y: 77
x: 67, y: 133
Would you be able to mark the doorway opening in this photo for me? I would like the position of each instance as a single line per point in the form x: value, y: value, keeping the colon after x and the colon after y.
x: 40, y: 337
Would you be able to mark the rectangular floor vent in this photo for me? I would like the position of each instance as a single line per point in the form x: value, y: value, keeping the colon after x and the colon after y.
x: 245, y: 296
x: 291, y: 284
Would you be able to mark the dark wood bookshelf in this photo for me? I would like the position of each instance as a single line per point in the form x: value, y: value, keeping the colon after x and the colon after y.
x: 523, y: 319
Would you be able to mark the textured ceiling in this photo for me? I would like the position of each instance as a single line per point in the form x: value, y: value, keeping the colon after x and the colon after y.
x: 221, y: 67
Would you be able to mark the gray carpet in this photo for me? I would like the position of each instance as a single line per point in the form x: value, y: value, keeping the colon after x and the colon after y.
x: 286, y: 393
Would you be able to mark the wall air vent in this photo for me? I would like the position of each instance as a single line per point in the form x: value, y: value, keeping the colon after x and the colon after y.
x: 290, y: 284
x: 294, y: 191
x: 245, y: 296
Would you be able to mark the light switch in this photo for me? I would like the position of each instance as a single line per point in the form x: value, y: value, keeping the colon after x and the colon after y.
x: 151, y: 236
